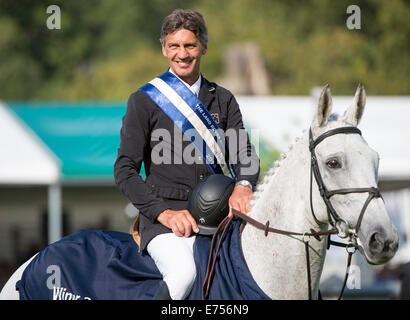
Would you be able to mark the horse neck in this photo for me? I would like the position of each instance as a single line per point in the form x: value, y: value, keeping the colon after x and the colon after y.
x: 278, y: 262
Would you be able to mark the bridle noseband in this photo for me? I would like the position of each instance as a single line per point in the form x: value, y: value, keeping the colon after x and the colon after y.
x: 334, y: 219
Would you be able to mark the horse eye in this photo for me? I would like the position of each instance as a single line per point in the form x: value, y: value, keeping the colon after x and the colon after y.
x: 333, y: 164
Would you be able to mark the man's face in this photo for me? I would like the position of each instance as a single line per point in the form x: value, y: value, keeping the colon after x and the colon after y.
x: 184, y: 51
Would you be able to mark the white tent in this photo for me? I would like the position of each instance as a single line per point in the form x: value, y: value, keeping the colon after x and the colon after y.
x: 26, y: 160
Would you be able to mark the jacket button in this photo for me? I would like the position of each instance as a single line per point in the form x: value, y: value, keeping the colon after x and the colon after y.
x: 201, y: 177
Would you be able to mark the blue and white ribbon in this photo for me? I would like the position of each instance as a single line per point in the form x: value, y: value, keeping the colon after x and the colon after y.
x: 188, y: 112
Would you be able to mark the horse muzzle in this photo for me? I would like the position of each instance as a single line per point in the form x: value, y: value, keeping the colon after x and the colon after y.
x: 380, y: 246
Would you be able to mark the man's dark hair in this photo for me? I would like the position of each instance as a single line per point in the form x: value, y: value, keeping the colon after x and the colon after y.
x: 185, y: 19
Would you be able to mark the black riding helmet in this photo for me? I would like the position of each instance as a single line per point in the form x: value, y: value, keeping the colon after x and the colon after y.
x: 208, y: 203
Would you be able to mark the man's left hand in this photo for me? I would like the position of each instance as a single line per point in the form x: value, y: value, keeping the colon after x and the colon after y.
x: 240, y: 199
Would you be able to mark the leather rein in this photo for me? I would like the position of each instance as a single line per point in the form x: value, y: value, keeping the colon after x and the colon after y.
x: 340, y: 226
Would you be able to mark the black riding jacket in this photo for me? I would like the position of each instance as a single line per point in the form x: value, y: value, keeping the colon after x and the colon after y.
x: 168, y: 186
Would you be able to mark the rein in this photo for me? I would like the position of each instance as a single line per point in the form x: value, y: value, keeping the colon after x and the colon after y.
x: 223, y: 226
x: 340, y: 226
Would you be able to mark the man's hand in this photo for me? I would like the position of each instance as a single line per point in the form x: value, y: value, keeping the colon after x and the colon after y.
x: 179, y: 221
x: 240, y: 199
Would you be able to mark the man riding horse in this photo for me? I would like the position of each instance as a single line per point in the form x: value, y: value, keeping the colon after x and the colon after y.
x: 180, y: 103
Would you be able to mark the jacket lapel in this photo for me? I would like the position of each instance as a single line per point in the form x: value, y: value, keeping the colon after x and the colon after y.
x: 206, y: 93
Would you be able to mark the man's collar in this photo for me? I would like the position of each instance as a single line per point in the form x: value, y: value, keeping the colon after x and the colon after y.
x: 206, y: 89
x: 195, y: 87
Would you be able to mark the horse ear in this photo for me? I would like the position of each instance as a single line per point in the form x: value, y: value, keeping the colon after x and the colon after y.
x: 324, y: 107
x: 354, y: 113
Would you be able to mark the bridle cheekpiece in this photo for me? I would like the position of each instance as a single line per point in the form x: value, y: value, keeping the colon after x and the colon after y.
x: 345, y: 230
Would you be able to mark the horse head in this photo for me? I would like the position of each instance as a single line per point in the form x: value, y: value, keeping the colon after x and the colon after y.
x: 346, y: 175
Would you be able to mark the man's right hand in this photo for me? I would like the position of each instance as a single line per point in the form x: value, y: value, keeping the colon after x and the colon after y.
x: 179, y: 221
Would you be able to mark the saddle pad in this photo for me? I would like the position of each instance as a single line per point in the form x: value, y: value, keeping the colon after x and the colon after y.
x: 232, y: 279
x: 96, y: 264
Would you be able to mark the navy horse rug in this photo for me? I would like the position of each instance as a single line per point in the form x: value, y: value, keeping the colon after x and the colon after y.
x: 97, y: 264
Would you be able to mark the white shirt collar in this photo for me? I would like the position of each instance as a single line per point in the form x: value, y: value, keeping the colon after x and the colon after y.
x: 195, y: 87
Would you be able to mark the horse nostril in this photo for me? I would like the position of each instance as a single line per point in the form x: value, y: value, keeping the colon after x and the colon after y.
x: 382, y: 246
x: 376, y: 243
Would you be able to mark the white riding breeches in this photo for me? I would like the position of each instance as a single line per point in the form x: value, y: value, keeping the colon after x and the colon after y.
x: 174, y: 258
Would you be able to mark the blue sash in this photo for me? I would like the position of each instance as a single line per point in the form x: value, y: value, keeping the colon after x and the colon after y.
x: 189, y: 113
